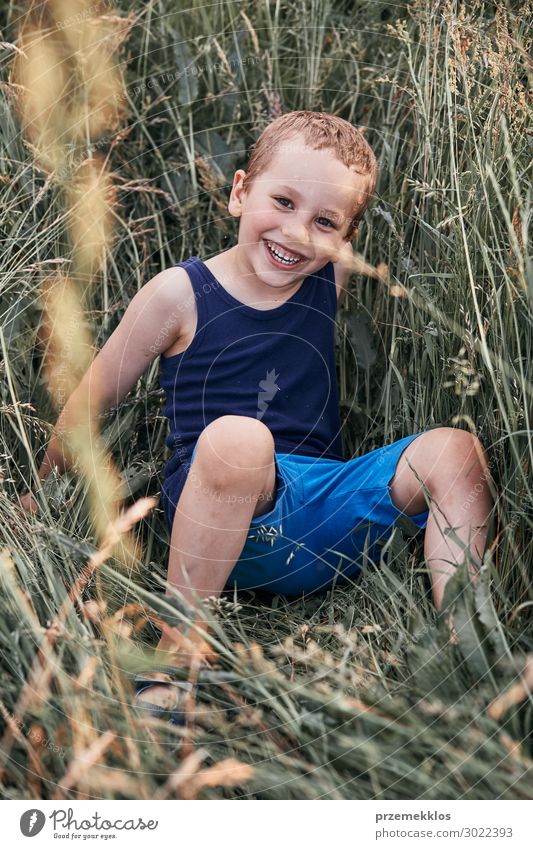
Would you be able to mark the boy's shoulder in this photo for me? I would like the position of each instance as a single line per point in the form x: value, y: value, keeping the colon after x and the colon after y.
x: 172, y: 284
x: 168, y: 306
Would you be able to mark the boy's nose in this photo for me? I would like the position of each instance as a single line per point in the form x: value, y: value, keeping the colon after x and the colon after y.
x: 295, y: 233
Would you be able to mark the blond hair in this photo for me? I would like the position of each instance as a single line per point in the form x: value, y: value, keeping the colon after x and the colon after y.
x: 319, y: 130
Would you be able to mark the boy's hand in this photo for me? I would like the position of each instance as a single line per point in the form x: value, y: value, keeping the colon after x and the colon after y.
x: 345, y: 256
x: 343, y: 267
x: 29, y: 503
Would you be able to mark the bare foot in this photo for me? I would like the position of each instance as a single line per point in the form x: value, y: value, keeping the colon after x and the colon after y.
x: 453, y: 639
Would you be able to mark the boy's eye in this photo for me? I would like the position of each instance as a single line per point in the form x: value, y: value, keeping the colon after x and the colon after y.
x: 329, y: 223
x: 280, y: 200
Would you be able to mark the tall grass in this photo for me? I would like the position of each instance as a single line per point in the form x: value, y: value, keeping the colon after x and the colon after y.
x: 356, y: 693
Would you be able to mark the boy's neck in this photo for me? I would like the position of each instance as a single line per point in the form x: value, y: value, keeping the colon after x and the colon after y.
x: 238, y: 278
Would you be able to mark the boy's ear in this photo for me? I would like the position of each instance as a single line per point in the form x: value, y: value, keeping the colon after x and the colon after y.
x: 353, y: 229
x: 237, y: 194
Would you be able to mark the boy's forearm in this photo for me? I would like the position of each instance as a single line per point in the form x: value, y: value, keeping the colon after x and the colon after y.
x: 56, y: 454
x: 75, y: 410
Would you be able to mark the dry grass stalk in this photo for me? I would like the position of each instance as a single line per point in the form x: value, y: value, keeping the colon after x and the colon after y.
x: 81, y: 766
x: 92, y: 200
x: 227, y: 773
x: 41, y: 81
x: 189, y: 780
x: 515, y: 694
x: 56, y: 114
x: 36, y: 687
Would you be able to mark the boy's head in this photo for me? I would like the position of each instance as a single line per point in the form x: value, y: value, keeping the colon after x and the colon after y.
x: 319, y: 131
x: 309, y: 180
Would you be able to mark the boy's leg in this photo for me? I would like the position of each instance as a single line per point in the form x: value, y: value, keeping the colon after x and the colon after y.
x: 453, y: 466
x: 232, y: 479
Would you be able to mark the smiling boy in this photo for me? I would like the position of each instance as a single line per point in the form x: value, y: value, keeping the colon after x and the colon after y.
x: 257, y: 492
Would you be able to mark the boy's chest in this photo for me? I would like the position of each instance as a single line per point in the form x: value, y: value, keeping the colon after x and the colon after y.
x: 189, y: 311
x: 188, y: 324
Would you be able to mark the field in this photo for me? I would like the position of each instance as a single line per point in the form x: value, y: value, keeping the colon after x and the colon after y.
x: 107, y: 178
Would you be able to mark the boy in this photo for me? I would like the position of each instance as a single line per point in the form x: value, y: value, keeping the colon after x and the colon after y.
x: 257, y: 492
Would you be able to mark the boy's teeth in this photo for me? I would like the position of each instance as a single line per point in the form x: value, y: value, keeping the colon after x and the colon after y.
x: 289, y: 260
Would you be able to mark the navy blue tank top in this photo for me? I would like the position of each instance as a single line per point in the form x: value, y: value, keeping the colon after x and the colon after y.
x: 276, y: 365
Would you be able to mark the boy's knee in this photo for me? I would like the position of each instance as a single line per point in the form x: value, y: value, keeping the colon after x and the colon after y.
x: 461, y: 451
x: 232, y: 444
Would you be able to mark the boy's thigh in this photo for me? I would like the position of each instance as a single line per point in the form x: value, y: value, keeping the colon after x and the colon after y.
x: 328, y: 518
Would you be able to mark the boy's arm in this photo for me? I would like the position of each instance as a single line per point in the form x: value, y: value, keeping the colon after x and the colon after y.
x: 151, y: 323
x: 343, y: 268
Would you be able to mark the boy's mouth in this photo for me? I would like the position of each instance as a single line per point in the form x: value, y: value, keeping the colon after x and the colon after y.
x: 280, y: 256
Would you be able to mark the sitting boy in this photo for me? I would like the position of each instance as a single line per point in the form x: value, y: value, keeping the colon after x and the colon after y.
x: 257, y: 492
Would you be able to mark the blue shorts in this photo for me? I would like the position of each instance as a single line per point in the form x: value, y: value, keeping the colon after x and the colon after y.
x: 328, y: 516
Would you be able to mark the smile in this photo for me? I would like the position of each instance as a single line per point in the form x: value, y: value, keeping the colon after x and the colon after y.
x: 282, y: 255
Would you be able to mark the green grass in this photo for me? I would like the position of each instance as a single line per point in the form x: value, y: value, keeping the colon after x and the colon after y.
x: 355, y: 693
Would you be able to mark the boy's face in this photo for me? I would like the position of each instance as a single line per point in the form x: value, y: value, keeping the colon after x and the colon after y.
x: 301, y: 205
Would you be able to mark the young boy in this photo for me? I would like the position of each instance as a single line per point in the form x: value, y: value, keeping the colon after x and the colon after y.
x: 257, y: 492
